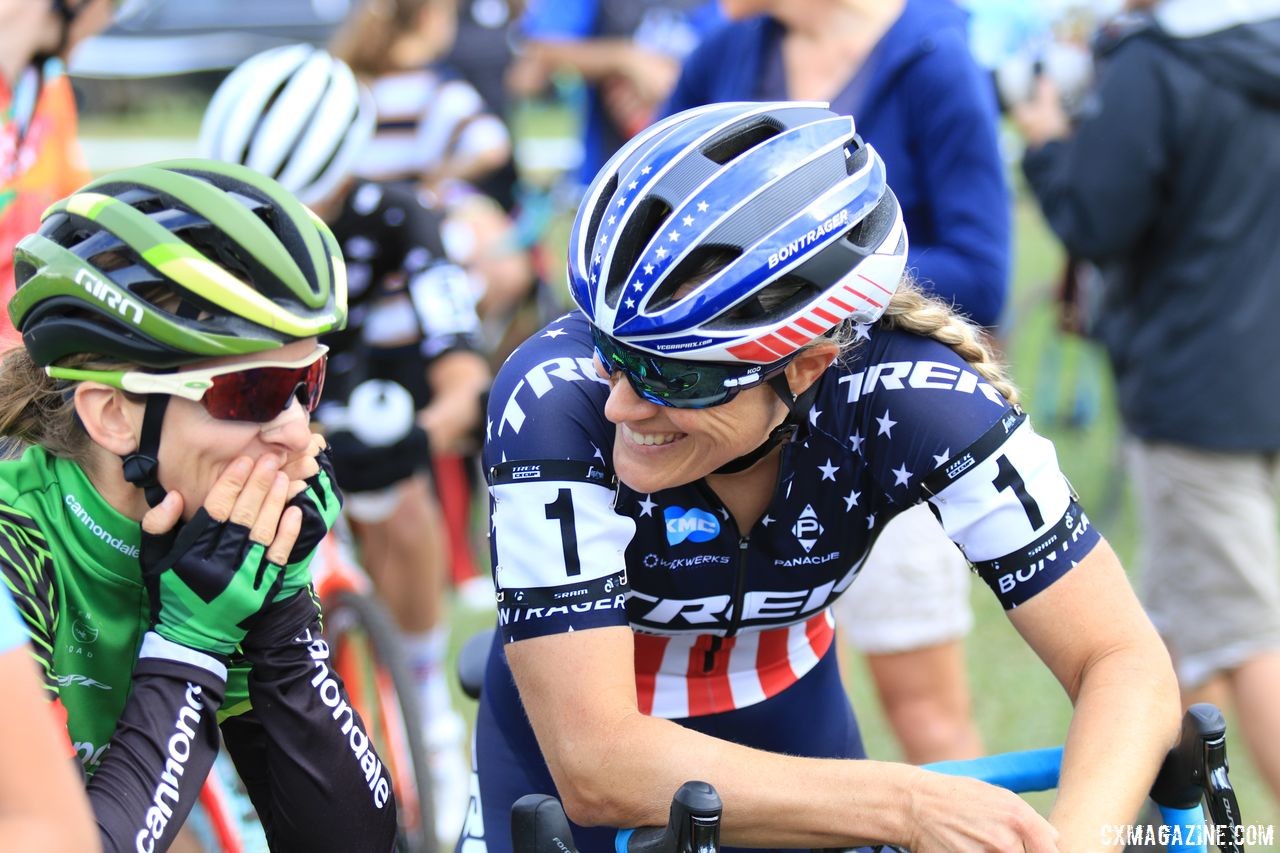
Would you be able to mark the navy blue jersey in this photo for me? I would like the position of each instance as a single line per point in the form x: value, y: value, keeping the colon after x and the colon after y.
x: 727, y: 617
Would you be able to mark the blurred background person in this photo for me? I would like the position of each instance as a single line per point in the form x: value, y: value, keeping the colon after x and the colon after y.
x: 404, y: 376
x: 903, y: 69
x: 627, y: 52
x: 1167, y: 181
x: 42, y: 802
x: 436, y: 136
x: 40, y: 160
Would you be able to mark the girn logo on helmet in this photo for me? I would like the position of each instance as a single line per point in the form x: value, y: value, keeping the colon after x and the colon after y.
x: 807, y: 239
x: 109, y: 295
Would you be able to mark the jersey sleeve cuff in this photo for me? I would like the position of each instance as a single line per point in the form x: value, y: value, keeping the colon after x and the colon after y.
x: 156, y: 646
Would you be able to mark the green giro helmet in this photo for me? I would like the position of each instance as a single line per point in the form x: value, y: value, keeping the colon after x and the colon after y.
x: 176, y: 262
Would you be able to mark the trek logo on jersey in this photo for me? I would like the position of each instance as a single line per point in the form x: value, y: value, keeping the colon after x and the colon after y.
x: 97, y: 530
x: 692, y: 524
x: 538, y: 381
x: 807, y: 528
x: 896, y: 375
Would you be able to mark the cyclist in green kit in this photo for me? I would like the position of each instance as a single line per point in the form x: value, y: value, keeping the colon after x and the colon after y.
x: 157, y: 528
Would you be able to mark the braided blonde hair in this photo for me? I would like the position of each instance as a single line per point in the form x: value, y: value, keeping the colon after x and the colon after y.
x: 912, y: 310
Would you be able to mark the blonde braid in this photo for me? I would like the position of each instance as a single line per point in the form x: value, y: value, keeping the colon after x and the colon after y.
x: 912, y: 310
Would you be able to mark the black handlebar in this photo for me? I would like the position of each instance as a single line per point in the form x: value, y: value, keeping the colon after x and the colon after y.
x: 539, y: 825
x: 693, y: 827
x: 1197, y: 767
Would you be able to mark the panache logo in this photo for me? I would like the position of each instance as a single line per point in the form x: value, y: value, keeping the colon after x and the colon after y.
x: 807, y: 528
x: 692, y: 524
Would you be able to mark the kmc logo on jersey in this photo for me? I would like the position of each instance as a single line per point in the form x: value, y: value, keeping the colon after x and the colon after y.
x: 692, y: 524
x: 807, y: 529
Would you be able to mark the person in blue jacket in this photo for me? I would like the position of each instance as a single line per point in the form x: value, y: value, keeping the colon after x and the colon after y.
x: 903, y: 69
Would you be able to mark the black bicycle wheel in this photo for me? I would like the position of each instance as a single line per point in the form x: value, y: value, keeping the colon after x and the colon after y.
x: 365, y: 644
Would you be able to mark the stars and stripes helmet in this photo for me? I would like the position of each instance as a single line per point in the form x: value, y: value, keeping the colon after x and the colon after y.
x: 778, y: 213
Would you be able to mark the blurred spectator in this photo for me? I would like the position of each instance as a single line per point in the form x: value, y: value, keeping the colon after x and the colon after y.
x: 432, y: 126
x: 627, y: 51
x: 42, y: 803
x: 1168, y: 181
x: 903, y: 69
x: 40, y: 160
x: 482, y: 52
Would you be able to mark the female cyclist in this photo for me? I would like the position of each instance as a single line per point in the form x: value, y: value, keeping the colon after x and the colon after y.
x: 685, y: 473
x: 170, y: 316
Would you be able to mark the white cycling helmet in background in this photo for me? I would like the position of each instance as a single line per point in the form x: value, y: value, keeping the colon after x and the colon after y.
x: 293, y: 113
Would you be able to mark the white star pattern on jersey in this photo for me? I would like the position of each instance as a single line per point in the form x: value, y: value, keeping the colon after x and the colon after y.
x: 855, y: 442
x: 901, y: 475
x: 553, y: 333
x: 851, y: 501
x: 886, y: 424
x: 647, y: 505
x: 829, y: 470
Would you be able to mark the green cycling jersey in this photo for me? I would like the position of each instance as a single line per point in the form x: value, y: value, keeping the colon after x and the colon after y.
x: 71, y: 562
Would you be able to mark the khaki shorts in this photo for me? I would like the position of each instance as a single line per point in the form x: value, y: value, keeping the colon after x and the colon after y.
x: 913, y: 591
x: 1209, y: 564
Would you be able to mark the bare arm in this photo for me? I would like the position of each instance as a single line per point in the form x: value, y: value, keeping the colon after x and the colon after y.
x: 615, y: 766
x: 42, y: 800
x: 457, y: 380
x: 1091, y: 632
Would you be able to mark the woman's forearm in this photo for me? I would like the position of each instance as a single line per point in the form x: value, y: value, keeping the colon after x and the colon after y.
x: 1126, y: 719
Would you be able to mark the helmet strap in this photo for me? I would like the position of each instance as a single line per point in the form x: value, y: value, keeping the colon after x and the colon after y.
x: 141, y: 468
x: 793, y: 425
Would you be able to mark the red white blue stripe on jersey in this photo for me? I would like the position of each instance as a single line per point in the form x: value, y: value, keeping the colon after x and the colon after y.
x: 672, y: 681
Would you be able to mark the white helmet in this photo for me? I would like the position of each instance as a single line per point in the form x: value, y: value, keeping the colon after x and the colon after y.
x: 293, y: 113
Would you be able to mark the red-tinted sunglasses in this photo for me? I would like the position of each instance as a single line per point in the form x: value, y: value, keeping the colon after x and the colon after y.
x: 255, y: 391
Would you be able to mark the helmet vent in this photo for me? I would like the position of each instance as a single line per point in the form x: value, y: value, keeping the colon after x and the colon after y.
x: 870, y: 232
x: 695, y: 268
x: 734, y: 141
x: 597, y: 215
x: 646, y: 220
x: 782, y: 298
x: 857, y: 155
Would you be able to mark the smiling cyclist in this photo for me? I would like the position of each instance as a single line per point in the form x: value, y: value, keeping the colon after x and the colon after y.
x: 689, y: 469
x: 156, y: 531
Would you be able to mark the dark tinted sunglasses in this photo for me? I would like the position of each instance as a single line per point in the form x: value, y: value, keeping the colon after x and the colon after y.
x: 680, y: 384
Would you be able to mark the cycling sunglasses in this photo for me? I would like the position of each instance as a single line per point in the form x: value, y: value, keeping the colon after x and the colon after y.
x: 680, y: 384
x: 255, y: 391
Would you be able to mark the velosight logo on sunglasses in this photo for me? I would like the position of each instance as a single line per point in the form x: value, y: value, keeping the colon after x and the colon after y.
x: 692, y: 524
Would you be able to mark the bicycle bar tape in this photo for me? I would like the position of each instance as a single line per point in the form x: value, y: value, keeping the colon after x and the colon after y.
x: 539, y: 824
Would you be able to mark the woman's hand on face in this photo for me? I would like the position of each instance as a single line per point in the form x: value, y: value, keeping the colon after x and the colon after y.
x: 304, y: 467
x: 250, y: 494
x: 953, y: 813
